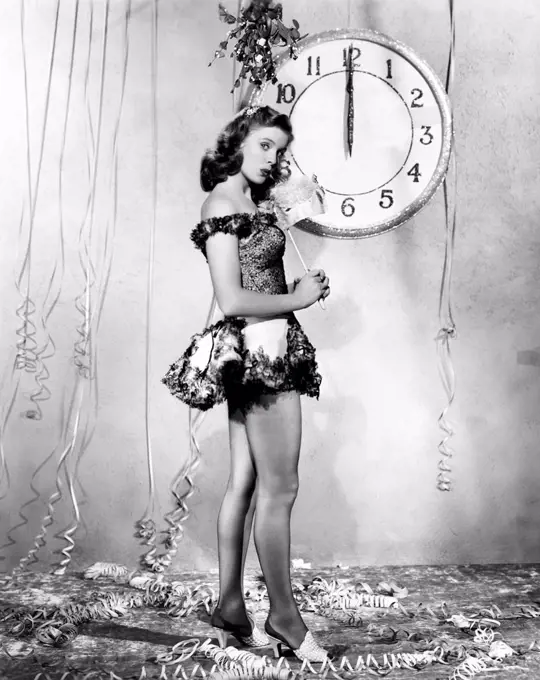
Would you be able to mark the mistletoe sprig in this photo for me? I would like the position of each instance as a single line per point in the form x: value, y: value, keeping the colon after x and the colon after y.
x: 259, y: 27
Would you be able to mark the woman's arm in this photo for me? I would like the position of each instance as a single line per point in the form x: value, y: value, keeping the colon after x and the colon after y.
x: 291, y: 286
x: 225, y: 272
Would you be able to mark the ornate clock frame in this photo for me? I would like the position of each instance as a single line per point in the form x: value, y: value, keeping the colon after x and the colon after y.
x: 256, y: 95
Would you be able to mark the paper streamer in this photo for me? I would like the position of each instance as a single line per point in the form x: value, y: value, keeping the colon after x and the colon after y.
x: 196, y: 417
x: 32, y: 361
x: 106, y: 264
x: 58, y: 626
x: 40, y: 540
x: 184, y: 476
x: 83, y: 348
x: 87, y: 375
x: 25, y: 353
x: 60, y: 257
x: 146, y: 527
x: 447, y: 329
x: 83, y: 405
x: 27, y: 357
x: 336, y: 600
x: 69, y: 413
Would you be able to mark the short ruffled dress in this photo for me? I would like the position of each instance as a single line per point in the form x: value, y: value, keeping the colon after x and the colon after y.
x: 237, y: 359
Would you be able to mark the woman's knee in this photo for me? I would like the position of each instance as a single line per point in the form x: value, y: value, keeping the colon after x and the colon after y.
x: 279, y: 488
x: 242, y: 486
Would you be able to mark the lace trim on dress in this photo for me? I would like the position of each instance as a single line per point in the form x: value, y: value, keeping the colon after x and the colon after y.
x: 201, y: 386
x: 297, y: 370
x: 239, y: 375
x: 239, y: 224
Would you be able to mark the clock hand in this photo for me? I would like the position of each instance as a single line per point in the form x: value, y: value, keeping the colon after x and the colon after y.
x: 350, y: 100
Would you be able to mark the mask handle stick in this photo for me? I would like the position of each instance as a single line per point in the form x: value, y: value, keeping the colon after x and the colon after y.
x: 321, y: 302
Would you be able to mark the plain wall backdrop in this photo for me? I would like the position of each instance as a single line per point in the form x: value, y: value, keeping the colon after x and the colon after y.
x: 369, y: 452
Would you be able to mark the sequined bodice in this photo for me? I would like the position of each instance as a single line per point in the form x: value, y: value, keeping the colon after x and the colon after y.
x: 261, y: 246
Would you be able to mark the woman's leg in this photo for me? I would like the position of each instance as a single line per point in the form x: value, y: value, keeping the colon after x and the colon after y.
x: 247, y: 531
x: 274, y: 431
x: 235, y: 520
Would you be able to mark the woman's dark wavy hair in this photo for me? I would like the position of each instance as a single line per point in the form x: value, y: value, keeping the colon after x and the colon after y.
x: 226, y: 159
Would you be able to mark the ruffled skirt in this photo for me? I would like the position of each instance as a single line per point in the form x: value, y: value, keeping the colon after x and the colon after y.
x: 236, y: 361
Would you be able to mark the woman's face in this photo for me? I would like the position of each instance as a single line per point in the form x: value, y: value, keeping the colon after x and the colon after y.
x: 262, y: 150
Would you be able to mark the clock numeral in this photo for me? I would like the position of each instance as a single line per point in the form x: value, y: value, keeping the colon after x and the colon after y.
x: 418, y: 94
x: 415, y: 172
x: 388, y: 68
x: 317, y: 66
x: 427, y: 137
x: 286, y: 93
x: 347, y: 207
x: 387, y: 198
x: 356, y: 52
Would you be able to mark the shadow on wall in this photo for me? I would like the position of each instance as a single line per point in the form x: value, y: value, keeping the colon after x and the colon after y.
x: 210, y: 484
x: 370, y: 14
x: 315, y: 530
x: 342, y: 322
x: 529, y: 357
x: 332, y: 495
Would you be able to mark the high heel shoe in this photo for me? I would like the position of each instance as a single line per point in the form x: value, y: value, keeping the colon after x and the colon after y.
x: 309, y: 649
x: 249, y: 636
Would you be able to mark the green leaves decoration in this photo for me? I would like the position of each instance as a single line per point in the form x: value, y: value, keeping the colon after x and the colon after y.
x: 258, y: 28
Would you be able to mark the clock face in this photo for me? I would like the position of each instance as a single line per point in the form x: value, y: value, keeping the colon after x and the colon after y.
x: 371, y: 120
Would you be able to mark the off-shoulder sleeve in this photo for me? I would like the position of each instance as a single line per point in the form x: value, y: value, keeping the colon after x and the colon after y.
x: 238, y: 224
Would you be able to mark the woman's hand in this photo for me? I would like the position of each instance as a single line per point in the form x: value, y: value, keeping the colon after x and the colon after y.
x: 313, y: 286
x: 284, y: 168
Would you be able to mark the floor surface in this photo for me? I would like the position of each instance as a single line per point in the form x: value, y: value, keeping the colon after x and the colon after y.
x: 454, y: 613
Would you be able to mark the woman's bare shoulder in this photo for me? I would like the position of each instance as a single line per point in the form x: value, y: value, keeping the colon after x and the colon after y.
x: 218, y: 204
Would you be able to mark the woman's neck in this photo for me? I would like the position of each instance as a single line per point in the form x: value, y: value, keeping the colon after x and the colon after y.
x: 239, y: 184
x: 232, y: 190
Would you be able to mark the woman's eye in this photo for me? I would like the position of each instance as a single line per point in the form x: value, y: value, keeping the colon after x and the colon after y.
x: 265, y: 146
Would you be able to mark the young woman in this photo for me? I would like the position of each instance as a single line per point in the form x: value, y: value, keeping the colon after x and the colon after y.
x: 244, y: 248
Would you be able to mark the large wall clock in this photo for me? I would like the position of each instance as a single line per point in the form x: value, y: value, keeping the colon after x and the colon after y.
x: 371, y: 120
